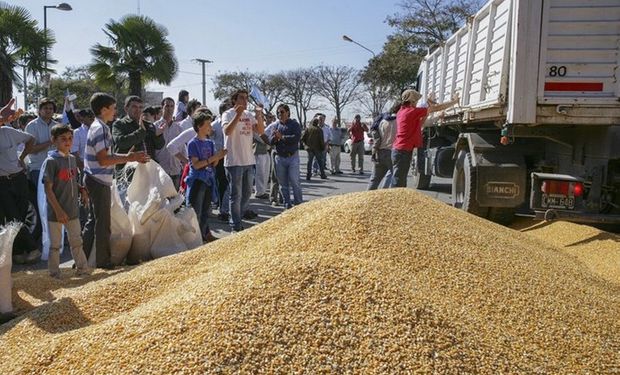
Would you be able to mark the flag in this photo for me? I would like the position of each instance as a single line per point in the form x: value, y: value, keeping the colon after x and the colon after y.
x: 65, y: 118
x: 258, y: 97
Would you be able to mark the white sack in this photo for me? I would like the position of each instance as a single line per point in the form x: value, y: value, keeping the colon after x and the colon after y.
x: 7, y: 236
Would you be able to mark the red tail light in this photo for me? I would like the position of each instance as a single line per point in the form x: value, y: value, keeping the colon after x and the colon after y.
x: 562, y: 188
x: 577, y: 189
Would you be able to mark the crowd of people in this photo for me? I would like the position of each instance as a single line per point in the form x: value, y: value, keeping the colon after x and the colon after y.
x: 216, y: 160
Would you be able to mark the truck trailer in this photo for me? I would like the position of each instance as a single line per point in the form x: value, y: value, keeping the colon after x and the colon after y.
x: 538, y: 126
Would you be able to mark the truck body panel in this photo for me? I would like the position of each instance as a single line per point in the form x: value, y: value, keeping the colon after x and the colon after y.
x: 539, y: 82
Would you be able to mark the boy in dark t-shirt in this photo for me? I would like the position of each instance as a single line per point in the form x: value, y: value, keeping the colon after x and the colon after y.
x: 62, y: 191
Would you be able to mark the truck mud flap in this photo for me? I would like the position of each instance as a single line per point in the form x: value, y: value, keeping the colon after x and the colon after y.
x: 501, y: 179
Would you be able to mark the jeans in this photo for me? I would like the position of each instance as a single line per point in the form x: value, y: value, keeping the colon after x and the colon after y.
x: 316, y: 164
x: 287, y: 169
x: 274, y: 191
x: 199, y: 197
x: 402, y: 161
x: 240, y: 182
x: 319, y: 156
x: 97, y: 228
x: 223, y: 188
x: 357, y: 149
x: 380, y: 168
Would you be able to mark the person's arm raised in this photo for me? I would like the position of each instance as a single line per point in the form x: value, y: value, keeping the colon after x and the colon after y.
x: 440, y: 107
x: 229, y: 127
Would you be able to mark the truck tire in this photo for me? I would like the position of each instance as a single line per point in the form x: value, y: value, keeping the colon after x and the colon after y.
x: 421, y: 181
x: 464, y: 185
x: 501, y: 215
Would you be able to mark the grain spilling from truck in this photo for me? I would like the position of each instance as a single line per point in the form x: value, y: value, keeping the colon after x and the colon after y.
x: 386, y: 281
x: 597, y: 249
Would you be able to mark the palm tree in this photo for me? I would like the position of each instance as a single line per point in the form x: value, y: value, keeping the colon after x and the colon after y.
x: 22, y: 44
x: 139, y: 53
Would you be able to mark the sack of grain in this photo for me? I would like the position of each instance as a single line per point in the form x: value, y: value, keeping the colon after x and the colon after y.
x: 120, y: 228
x: 7, y: 236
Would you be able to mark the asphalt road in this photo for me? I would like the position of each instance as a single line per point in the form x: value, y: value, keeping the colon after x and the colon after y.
x: 313, y: 189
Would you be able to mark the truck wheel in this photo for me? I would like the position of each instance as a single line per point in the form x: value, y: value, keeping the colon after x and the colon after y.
x: 421, y: 181
x: 501, y: 215
x: 464, y: 186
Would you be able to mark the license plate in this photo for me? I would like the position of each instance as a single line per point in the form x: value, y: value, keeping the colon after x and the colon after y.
x: 557, y: 201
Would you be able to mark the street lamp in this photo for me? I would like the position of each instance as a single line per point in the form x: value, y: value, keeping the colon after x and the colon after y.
x: 204, y: 82
x: 347, y: 39
x: 61, y: 6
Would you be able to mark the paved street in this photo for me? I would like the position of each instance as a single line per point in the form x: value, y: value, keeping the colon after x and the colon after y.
x: 313, y: 189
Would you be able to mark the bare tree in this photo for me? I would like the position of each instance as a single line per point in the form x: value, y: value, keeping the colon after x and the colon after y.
x: 273, y: 86
x: 301, y: 89
x: 373, y: 99
x: 227, y: 83
x: 338, y: 85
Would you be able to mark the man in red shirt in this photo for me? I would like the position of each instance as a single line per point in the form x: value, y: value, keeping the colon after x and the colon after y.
x: 409, y: 120
x: 356, y: 131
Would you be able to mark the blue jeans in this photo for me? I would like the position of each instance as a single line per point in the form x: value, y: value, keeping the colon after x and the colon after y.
x: 402, y: 161
x: 199, y: 197
x: 319, y: 157
x: 240, y: 182
x: 287, y: 170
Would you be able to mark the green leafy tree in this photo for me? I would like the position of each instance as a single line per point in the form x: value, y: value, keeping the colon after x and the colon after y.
x: 22, y: 45
x: 139, y: 53
x: 419, y: 26
x: 428, y: 23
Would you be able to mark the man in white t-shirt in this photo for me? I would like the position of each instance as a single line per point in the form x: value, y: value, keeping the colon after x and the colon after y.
x: 239, y: 125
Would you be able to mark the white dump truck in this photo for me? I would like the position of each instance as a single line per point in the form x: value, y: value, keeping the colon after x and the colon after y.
x: 539, y: 120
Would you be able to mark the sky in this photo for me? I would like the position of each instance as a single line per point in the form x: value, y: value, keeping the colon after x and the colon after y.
x: 253, y: 36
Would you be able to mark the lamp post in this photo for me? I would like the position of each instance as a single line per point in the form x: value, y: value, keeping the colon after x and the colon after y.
x: 204, y: 76
x: 61, y: 6
x: 347, y: 39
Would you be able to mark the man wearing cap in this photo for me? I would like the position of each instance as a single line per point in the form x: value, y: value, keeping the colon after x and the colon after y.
x: 39, y: 128
x: 409, y: 121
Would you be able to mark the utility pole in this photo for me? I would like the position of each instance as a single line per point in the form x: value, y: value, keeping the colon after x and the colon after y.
x: 25, y: 89
x: 203, y: 62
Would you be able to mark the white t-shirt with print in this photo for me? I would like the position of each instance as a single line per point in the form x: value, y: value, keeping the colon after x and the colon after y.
x: 239, y: 143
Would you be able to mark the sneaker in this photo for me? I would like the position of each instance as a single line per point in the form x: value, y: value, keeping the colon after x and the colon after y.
x: 323, y: 177
x: 262, y: 196
x: 55, y: 275
x: 353, y: 171
x: 339, y: 172
x: 274, y: 204
x: 361, y: 172
x: 249, y: 215
x: 223, y: 216
x: 236, y: 230
x: 33, y: 257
